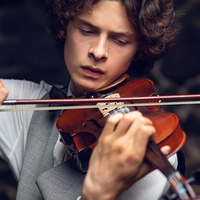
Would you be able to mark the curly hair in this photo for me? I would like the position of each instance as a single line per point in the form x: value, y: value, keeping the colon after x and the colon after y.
x: 153, y: 19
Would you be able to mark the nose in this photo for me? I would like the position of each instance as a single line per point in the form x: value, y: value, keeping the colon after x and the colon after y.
x: 99, y: 49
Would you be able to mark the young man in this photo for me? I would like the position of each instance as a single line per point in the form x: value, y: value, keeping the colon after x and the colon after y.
x: 100, y: 39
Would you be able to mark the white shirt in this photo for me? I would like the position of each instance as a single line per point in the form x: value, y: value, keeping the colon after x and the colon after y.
x: 13, y: 135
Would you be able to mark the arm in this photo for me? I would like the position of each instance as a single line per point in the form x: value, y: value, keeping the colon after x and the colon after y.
x: 117, y: 161
x: 14, y: 125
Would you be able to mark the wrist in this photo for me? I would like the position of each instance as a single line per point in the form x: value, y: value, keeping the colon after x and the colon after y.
x: 96, y: 191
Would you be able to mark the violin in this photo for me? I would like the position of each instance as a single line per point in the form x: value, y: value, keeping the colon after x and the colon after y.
x: 82, y: 129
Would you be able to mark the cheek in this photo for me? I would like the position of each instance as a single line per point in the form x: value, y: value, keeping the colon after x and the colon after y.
x: 69, y: 47
x: 125, y: 56
x: 122, y: 62
x: 74, y: 49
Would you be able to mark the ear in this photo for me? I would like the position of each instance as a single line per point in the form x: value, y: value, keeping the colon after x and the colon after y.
x: 62, y: 32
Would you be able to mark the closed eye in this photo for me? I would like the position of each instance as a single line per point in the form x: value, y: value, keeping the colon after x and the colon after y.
x: 86, y: 31
x: 120, y: 41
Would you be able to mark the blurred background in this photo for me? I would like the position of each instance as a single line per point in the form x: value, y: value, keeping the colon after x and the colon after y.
x: 27, y: 52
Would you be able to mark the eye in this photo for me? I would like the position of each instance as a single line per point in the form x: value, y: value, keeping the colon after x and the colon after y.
x: 86, y: 31
x: 120, y: 41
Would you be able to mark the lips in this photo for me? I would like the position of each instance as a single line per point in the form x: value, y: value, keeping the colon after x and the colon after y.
x: 92, y: 71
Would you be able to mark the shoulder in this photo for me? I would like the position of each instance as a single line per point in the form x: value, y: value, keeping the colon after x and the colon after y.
x: 26, y: 89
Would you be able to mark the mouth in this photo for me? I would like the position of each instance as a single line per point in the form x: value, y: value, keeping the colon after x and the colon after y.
x: 92, y: 71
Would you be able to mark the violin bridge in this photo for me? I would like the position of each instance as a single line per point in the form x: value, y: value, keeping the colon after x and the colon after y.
x: 110, y: 106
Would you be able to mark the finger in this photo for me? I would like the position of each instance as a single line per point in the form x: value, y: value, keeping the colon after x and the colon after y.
x: 126, y: 121
x: 3, y: 92
x: 141, y: 139
x: 111, y: 124
x: 166, y: 150
x: 140, y: 124
x: 142, y: 130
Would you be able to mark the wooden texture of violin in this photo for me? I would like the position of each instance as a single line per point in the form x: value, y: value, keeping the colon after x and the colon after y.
x: 83, y: 127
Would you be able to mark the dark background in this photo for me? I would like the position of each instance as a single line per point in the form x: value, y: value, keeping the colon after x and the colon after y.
x: 27, y: 52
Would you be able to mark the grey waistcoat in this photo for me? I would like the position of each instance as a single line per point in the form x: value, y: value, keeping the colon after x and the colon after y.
x: 38, y: 178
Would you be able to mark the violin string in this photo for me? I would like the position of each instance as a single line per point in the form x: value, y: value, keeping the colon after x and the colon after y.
x: 97, y: 106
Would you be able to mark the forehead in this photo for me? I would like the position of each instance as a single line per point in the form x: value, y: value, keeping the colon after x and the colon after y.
x: 110, y: 13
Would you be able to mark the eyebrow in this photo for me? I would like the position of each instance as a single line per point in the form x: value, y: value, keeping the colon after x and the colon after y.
x: 85, y: 23
x: 127, y: 34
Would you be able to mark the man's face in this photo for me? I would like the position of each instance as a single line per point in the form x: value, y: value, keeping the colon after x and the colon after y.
x: 99, y: 46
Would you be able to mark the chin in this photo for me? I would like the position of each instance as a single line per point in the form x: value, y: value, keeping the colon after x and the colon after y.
x: 89, y: 87
x: 90, y: 90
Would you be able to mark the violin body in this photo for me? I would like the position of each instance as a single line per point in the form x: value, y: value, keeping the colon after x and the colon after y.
x: 83, y: 127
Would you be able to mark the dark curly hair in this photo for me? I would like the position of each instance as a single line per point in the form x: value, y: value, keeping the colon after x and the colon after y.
x: 153, y: 19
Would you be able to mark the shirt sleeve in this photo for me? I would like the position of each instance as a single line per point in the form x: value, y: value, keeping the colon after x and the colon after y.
x: 14, y: 125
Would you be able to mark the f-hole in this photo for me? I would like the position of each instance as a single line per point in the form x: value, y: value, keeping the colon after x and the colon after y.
x: 93, y: 122
x: 135, y: 107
